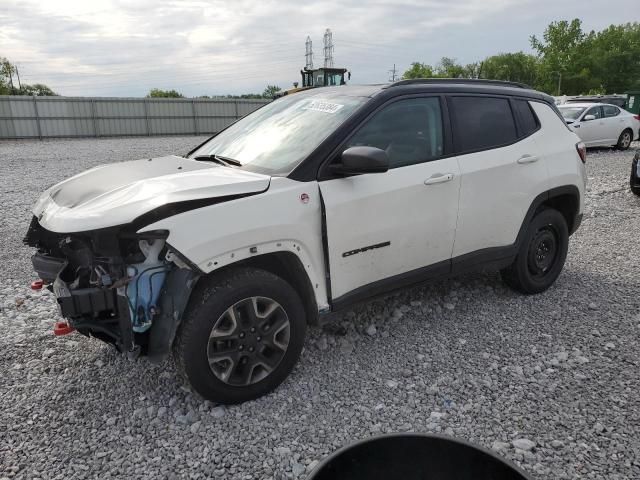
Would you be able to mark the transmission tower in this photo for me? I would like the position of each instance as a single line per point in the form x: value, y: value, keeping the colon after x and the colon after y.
x: 328, y: 48
x: 309, y: 53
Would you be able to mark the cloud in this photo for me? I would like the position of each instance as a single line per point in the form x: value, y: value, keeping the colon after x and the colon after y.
x: 126, y: 47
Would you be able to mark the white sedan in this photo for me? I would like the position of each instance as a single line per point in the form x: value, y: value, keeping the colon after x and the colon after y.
x: 601, y: 125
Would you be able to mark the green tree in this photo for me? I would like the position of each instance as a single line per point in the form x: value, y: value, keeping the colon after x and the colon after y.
x: 6, y: 71
x: 613, y: 57
x: 37, y: 89
x: 158, y: 93
x: 270, y: 91
x: 9, y: 82
x: 513, y: 67
x: 449, y: 68
x: 418, y: 70
x: 563, y: 52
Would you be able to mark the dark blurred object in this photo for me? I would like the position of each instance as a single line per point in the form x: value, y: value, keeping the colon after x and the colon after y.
x: 415, y: 457
x: 634, y: 180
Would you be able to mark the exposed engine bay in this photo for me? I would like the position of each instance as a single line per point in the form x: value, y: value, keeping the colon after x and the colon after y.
x: 115, y: 285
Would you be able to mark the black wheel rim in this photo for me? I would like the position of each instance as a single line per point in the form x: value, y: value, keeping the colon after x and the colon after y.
x: 248, y: 341
x: 543, y: 251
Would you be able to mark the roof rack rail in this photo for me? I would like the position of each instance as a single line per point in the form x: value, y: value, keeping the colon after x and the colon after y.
x: 472, y: 81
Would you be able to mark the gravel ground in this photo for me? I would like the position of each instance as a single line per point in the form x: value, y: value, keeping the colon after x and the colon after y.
x: 550, y: 381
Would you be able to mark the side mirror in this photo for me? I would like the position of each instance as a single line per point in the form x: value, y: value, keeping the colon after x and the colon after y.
x: 359, y: 160
x: 588, y: 118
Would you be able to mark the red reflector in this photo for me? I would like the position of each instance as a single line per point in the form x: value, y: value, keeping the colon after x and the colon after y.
x: 62, y: 328
x: 37, y: 284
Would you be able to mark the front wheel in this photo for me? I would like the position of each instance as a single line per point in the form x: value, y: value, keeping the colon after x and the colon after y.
x: 241, y: 336
x: 624, y: 140
x: 541, y: 255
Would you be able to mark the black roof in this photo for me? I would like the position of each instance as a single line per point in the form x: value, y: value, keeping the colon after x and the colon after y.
x: 436, y: 85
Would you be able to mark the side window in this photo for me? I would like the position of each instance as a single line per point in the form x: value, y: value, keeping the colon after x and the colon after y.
x: 595, y: 111
x: 481, y: 122
x: 528, y: 121
x: 610, y: 111
x: 410, y: 131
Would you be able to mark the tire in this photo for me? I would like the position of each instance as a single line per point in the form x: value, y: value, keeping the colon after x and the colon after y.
x: 541, y: 255
x: 624, y: 140
x: 250, y: 354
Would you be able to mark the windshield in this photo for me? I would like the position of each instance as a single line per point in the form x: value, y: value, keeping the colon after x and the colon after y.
x: 571, y: 113
x: 278, y: 136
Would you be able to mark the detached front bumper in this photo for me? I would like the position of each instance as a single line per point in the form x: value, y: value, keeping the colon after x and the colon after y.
x: 99, y: 312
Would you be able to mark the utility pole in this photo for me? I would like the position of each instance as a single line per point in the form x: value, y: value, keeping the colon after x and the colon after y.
x: 559, y: 82
x: 328, y: 49
x: 11, y: 81
x: 308, y: 54
x: 393, y: 73
x: 18, y: 75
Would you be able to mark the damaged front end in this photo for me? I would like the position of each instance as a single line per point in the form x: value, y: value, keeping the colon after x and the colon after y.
x: 124, y: 288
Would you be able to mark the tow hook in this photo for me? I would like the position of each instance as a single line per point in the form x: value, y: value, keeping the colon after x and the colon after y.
x: 62, y: 328
x: 37, y: 284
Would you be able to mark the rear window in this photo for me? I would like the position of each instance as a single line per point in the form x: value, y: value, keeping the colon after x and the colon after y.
x: 481, y: 123
x: 528, y: 120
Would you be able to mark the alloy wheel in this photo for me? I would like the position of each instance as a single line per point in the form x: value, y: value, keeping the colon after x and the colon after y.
x: 248, y: 341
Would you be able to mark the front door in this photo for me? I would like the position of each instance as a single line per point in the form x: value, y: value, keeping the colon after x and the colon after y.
x: 592, y: 131
x: 392, y: 225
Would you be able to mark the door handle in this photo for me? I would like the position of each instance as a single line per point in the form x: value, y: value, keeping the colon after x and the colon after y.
x: 439, y: 178
x: 527, y: 159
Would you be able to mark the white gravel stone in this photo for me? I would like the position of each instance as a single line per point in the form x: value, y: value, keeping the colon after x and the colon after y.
x: 313, y: 464
x: 523, y: 444
x: 81, y: 396
x: 218, y: 412
x: 500, y: 446
x: 371, y: 330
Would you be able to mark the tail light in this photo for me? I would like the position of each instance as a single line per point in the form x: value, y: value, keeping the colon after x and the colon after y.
x: 637, y: 117
x: 582, y: 151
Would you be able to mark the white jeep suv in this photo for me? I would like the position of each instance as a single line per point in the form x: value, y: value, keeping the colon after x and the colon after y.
x: 315, y: 201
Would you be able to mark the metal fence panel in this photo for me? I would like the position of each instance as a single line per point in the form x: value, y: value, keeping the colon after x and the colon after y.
x: 119, y: 127
x: 43, y: 117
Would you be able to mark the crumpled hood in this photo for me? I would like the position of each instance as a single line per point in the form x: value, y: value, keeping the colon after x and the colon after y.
x: 117, y: 193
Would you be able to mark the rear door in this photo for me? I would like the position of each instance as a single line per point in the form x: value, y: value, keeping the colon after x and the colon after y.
x: 383, y: 228
x: 614, y: 122
x: 501, y: 171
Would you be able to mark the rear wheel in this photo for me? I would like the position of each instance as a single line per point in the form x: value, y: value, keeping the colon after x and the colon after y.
x: 624, y: 140
x: 241, y: 337
x: 541, y: 255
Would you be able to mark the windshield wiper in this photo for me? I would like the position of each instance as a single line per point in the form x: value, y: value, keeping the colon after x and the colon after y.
x: 226, y: 161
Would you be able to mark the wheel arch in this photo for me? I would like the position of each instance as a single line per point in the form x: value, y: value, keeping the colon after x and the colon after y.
x: 284, y: 264
x: 565, y: 199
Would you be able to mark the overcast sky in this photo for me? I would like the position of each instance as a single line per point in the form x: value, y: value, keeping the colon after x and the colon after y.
x: 126, y: 47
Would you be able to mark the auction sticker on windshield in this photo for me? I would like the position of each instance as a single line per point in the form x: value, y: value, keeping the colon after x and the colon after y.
x: 320, y: 106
